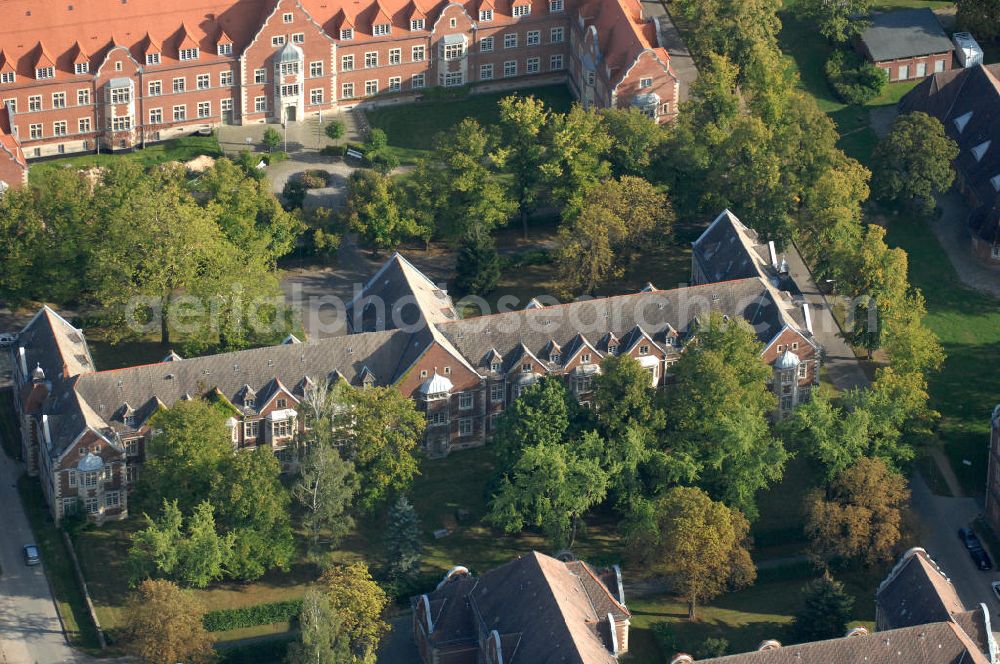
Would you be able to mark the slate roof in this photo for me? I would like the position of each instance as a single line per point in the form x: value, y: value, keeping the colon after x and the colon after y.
x: 967, y: 102
x: 549, y: 611
x: 51, y: 342
x: 905, y: 33
x: 917, y: 592
x: 937, y: 643
x: 729, y: 250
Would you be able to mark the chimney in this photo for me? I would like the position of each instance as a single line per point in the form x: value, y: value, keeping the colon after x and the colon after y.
x: 808, y: 317
x: 774, y: 254
x: 614, y: 635
x: 45, y: 429
x: 24, y: 362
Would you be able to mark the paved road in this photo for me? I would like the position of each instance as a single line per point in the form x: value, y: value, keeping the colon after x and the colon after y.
x: 940, y: 518
x: 840, y: 362
x: 30, y: 632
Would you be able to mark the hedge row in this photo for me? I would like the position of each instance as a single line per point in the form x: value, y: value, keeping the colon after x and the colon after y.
x: 251, y: 616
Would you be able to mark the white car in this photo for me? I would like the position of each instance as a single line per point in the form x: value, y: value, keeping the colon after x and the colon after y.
x: 7, y: 338
x: 996, y: 588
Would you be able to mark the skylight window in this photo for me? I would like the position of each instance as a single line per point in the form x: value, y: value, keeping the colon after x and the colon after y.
x: 980, y: 150
x: 962, y: 120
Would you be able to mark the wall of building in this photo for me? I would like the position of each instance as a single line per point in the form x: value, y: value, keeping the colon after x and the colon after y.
x: 909, y: 69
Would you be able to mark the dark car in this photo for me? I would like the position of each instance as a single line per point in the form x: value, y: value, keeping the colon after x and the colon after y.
x: 31, y: 556
x: 981, y: 559
x: 969, y: 539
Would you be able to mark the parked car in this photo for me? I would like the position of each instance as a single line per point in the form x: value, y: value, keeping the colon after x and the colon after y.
x: 981, y: 559
x: 996, y: 588
x: 969, y: 538
x: 31, y: 555
x: 7, y: 338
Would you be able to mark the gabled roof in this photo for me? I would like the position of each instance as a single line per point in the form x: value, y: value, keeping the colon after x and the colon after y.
x: 917, y: 592
x: 42, y: 57
x: 905, y: 33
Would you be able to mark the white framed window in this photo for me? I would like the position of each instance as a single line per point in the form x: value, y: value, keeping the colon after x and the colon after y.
x: 645, y: 82
x: 418, y: 53
x: 533, y: 37
x: 465, y: 401
x: 347, y: 91
x: 156, y: 116
x: 83, y: 125
x: 180, y: 112
x: 89, y: 480
x: 204, y: 109
x: 251, y: 429
x: 395, y: 56
x: 35, y: 103
x: 71, y: 478
x: 260, y: 104
x: 277, y: 40
x: 526, y: 367
x: 465, y: 426
x: 58, y: 100
x: 45, y: 72
x: 453, y: 51
x: 179, y: 84
x: 485, y: 14
x: 371, y: 59
x: 123, y: 123
x: 938, y: 66
x: 226, y: 105
x: 188, y: 54
x: 8, y: 77
x: 510, y: 40
x: 522, y: 10
x: 556, y: 5
x: 904, y: 72
x: 418, y: 81
x: 225, y: 78
x: 225, y: 49
x: 371, y: 88
x: 438, y: 419
x: 34, y: 131
x: 155, y: 88
x: 495, y: 367
x: 347, y: 33
x: 533, y: 65
x: 496, y: 392
x: 299, y: 38
x: 347, y: 63
x: 59, y: 128
x: 395, y: 84
x: 260, y: 76
x: 92, y: 505
x: 112, y: 499
x: 486, y: 45
x: 121, y: 95
x: 510, y: 68
x: 81, y: 67
x: 557, y: 35
x: 585, y: 358
x: 281, y: 428
x: 453, y: 22
x: 643, y: 350
x: 382, y: 29
x: 486, y: 72
x: 83, y: 97
x: 316, y: 96
x: 803, y: 370
x: 417, y: 24
x: 287, y: 17
x: 452, y: 79
x: 316, y: 68
x: 289, y: 68
x: 152, y: 58
x: 591, y: 78
x: 291, y: 90
x: 203, y: 82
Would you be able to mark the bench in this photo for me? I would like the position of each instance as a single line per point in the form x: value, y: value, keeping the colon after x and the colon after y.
x: 354, y: 154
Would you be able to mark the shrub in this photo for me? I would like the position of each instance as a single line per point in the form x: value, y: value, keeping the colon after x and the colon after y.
x: 334, y: 130
x: 251, y: 616
x: 262, y: 652
x: 853, y: 79
x: 665, y: 638
x: 276, y: 156
x: 314, y: 179
x: 325, y: 243
x: 377, y: 139
x: 272, y: 138
x: 294, y: 193
x: 711, y: 647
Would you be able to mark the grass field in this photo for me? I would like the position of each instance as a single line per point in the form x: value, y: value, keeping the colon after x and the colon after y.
x: 414, y: 127
x: 178, y: 149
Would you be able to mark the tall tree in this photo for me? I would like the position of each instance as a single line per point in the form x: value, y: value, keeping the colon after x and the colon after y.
x: 402, y: 539
x: 372, y: 210
x: 203, y: 552
x: 154, y: 550
x: 700, y: 545
x: 550, y: 487
x: 635, y: 140
x: 478, y: 266
x: 730, y: 27
x: 718, y: 434
x: 320, y: 640
x: 378, y: 430
x: 585, y: 250
x: 826, y: 611
x: 163, y: 626
x: 22, y: 234
x: 326, y: 489
x: 912, y: 163
x: 185, y: 456
x: 577, y: 158
x: 859, y: 516
x: 540, y: 416
x: 837, y: 20
x: 359, y: 602
x: 981, y: 17
x: 522, y: 150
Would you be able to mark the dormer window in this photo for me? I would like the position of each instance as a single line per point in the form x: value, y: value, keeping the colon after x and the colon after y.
x: 129, y: 420
x: 522, y: 10
x: 555, y: 358
x: 381, y: 29
x: 347, y: 33
x: 995, y: 181
x: 485, y: 14
x: 962, y: 120
x: 225, y: 49
x: 152, y: 58
x: 612, y: 349
x: 526, y: 367
x: 188, y: 54
x: 81, y: 68
x: 45, y: 72
x: 495, y: 367
x: 8, y: 77
x: 249, y: 402
x: 417, y: 24
x: 980, y: 150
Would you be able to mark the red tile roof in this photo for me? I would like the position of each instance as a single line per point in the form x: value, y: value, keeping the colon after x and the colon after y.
x: 622, y: 33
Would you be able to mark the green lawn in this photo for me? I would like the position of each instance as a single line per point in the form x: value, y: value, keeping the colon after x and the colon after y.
x: 414, y: 127
x: 178, y: 149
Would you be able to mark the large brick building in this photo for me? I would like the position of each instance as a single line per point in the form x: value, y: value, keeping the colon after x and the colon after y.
x: 83, y: 430
x: 117, y: 74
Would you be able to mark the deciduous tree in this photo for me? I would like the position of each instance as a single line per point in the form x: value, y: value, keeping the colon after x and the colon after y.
x: 478, y: 266
x: 837, y: 20
x: 522, y: 150
x: 372, y: 210
x: 326, y: 489
x: 359, y: 602
x: 635, y: 140
x: 320, y: 640
x: 912, y: 163
x: 699, y: 544
x: 981, y: 17
x: 577, y: 159
x: 540, y: 416
x: 163, y: 626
